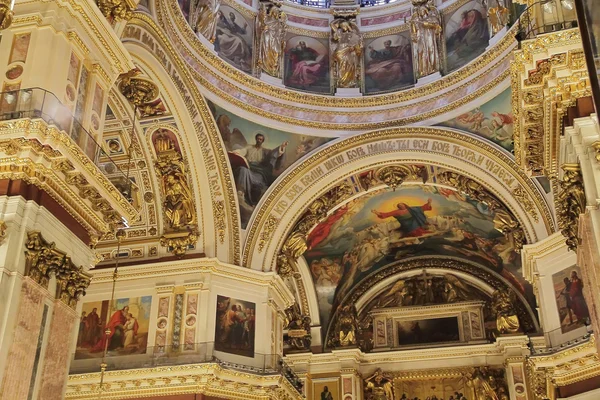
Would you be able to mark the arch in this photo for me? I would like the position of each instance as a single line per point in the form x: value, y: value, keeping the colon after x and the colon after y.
x: 466, y: 154
x: 211, y: 176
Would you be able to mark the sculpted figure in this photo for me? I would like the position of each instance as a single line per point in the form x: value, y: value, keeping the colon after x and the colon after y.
x: 498, y: 16
x: 506, y: 315
x: 425, y: 30
x: 270, y: 30
x: 379, y: 386
x: 178, y: 205
x: 345, y: 328
x: 204, y: 18
x: 347, y: 47
x: 484, y: 384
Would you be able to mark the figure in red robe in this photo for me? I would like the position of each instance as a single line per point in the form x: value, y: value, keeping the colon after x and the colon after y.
x: 577, y: 300
x: 322, y: 230
x: 116, y: 322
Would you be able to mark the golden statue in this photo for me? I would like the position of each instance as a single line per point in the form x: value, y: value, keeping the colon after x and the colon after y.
x: 425, y: 32
x: 178, y: 204
x: 270, y: 31
x: 379, y: 386
x: 498, y: 17
x: 345, y: 328
x: 204, y: 17
x: 507, y: 320
x: 347, y: 47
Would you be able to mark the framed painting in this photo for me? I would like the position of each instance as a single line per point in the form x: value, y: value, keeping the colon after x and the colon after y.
x: 306, y: 64
x: 127, y: 320
x: 326, y: 389
x: 571, y: 305
x: 388, y: 63
x: 466, y: 34
x: 235, y: 326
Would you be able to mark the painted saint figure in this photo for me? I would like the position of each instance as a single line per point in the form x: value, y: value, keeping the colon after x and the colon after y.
x: 390, y: 66
x: 115, y: 326
x: 412, y: 220
x: 231, y: 43
x: 425, y: 28
x: 305, y: 66
x: 253, y: 177
x: 578, y: 304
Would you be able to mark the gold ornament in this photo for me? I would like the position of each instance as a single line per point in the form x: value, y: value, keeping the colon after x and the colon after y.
x: 570, y: 203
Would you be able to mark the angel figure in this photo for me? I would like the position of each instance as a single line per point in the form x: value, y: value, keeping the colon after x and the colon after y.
x: 270, y: 31
x: 396, y: 296
x: 455, y: 290
x: 347, y: 47
x: 204, y: 18
x: 425, y: 32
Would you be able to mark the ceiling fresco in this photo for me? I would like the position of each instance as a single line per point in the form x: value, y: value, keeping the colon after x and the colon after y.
x: 256, y: 164
x: 492, y: 120
x: 384, y: 226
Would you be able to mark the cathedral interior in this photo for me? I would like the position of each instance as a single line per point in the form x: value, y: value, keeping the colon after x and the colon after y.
x: 299, y: 199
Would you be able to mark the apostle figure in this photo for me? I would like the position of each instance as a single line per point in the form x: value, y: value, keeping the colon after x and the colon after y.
x: 346, y: 44
x: 256, y: 171
x: 231, y: 42
x: 305, y: 66
x: 270, y: 32
x: 204, y: 18
x: 425, y: 29
x: 412, y: 220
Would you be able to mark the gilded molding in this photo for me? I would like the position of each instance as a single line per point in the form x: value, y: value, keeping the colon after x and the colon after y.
x: 116, y: 10
x: 179, y: 243
x: 270, y: 225
x: 2, y: 231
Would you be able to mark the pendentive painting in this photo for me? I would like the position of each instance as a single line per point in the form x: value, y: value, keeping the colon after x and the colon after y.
x: 233, y: 41
x: 384, y: 226
x: 492, y: 120
x: 388, y: 63
x: 572, y: 308
x: 466, y: 33
x: 306, y: 64
x: 235, y: 326
x: 127, y: 319
x: 258, y: 155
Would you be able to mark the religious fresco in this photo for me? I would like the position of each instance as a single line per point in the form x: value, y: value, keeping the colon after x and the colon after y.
x: 235, y: 326
x: 384, y: 226
x: 492, y: 120
x: 388, y: 63
x: 466, y: 34
x: 306, y: 64
x: 568, y: 289
x: 258, y: 155
x: 128, y: 322
x: 431, y: 330
x: 435, y: 389
x: 234, y: 38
